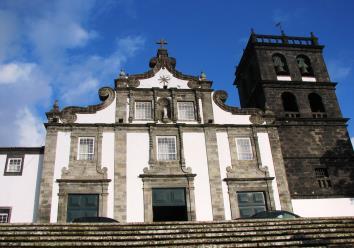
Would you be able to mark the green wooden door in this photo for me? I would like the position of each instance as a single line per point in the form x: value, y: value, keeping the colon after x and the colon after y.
x: 251, y: 203
x: 82, y: 206
x: 169, y: 204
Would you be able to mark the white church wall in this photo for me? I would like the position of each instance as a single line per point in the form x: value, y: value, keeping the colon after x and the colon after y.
x: 61, y: 160
x: 196, y: 159
x: 155, y: 81
x: 267, y: 160
x: 137, y: 160
x: 224, y: 162
x: 329, y: 207
x: 223, y: 117
x: 20, y: 193
x: 106, y: 115
x: 108, y: 162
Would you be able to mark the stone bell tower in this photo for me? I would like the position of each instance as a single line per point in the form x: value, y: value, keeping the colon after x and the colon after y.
x: 288, y: 76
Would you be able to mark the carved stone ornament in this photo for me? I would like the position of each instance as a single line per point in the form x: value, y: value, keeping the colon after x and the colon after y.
x: 106, y: 94
x: 193, y: 84
x: 220, y: 97
x: 133, y: 82
x: 256, y: 119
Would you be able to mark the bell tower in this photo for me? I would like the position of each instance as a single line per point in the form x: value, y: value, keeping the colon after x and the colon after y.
x: 288, y: 76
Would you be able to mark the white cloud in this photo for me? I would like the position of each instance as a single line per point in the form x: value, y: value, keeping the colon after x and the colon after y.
x: 352, y: 140
x: 9, y: 45
x: 14, y: 72
x: 89, y: 73
x: 30, y: 129
x: 337, y: 70
x: 43, y: 51
x: 59, y: 29
x: 28, y: 89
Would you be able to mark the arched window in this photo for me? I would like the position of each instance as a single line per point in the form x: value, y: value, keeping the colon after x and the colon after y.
x: 316, y: 103
x: 304, y: 64
x: 280, y: 65
x: 289, y: 102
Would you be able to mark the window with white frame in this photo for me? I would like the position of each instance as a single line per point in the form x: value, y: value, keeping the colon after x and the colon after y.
x: 86, y: 148
x: 5, y: 215
x: 244, y: 149
x: 14, y: 165
x: 185, y: 111
x: 166, y: 148
x: 143, y: 110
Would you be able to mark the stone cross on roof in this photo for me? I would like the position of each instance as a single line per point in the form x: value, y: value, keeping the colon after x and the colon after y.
x: 162, y: 42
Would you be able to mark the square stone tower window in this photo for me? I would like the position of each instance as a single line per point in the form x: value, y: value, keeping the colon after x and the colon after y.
x: 143, y: 110
x: 166, y: 148
x: 185, y: 111
x: 244, y: 149
x: 323, y: 179
x: 86, y: 148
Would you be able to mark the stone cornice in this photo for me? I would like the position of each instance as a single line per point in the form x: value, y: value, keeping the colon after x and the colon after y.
x: 24, y: 150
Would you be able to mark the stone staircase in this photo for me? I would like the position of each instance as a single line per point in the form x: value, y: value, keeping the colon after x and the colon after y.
x: 303, y: 232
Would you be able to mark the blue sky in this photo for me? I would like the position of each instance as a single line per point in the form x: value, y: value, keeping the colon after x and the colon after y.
x: 66, y: 50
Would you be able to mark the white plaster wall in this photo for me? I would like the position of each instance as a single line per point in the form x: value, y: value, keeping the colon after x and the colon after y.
x: 155, y: 82
x: 267, y: 160
x: 331, y: 207
x: 108, y: 162
x: 224, y: 162
x: 106, y: 115
x: 61, y: 160
x: 196, y: 158
x: 21, y: 192
x: 224, y: 117
x: 137, y: 160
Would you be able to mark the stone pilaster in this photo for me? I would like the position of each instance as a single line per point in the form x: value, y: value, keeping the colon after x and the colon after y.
x: 197, y: 107
x: 279, y: 168
x: 131, y: 106
x: 46, y: 188
x: 214, y: 174
x: 121, y: 106
x: 120, y: 178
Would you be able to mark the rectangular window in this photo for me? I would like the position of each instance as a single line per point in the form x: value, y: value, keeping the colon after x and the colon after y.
x: 244, y: 149
x: 143, y: 110
x: 5, y: 215
x: 86, y: 148
x: 166, y: 148
x: 14, y: 165
x: 251, y: 203
x: 185, y: 111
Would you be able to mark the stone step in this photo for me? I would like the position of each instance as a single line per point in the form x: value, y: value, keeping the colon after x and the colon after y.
x: 314, y: 232
x: 179, y: 225
x: 244, y: 230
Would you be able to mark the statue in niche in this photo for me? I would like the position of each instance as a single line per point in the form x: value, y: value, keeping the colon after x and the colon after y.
x: 279, y: 64
x: 303, y: 66
x: 164, y: 110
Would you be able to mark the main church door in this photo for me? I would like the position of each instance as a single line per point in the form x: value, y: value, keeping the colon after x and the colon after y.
x: 169, y: 204
x: 82, y: 205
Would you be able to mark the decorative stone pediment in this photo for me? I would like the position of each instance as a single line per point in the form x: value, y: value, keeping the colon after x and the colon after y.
x: 69, y: 114
x: 163, y: 74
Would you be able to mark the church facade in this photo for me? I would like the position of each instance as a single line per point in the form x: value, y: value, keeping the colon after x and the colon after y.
x: 164, y: 146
